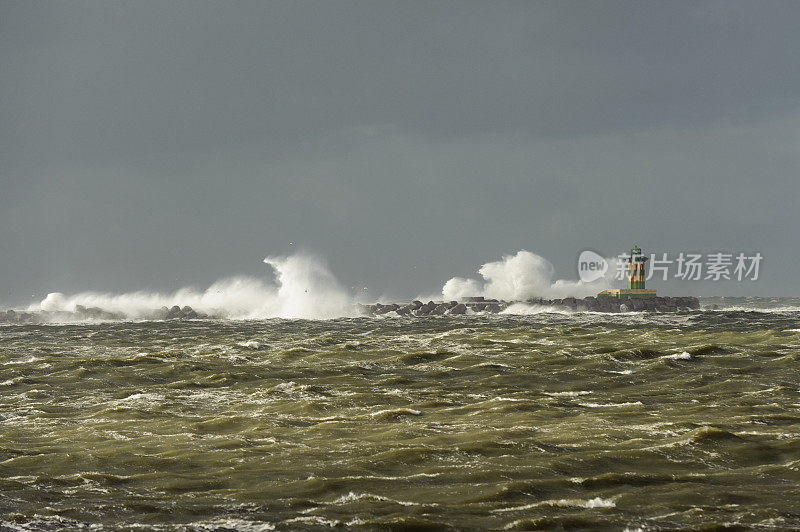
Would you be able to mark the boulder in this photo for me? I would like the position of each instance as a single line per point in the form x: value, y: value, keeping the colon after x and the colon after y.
x: 460, y: 308
x: 173, y: 313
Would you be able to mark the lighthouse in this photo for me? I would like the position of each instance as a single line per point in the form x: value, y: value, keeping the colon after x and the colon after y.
x: 636, y: 275
x: 636, y: 269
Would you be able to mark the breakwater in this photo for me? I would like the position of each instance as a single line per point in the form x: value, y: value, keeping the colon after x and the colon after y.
x: 81, y: 313
x: 494, y: 306
x: 471, y: 305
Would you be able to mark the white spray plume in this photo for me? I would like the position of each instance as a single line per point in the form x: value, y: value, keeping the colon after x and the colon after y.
x: 521, y: 276
x: 305, y: 289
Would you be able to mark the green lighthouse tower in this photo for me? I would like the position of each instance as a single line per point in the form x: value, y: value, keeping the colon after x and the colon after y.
x: 636, y: 269
x: 636, y: 275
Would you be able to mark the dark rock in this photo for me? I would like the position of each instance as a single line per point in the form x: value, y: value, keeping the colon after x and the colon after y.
x: 173, y: 313
x: 460, y: 308
x: 593, y: 304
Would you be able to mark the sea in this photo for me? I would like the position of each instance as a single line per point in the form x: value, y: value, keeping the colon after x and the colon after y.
x: 533, y: 420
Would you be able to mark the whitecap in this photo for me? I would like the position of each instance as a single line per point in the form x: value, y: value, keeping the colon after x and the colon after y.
x: 679, y: 356
x: 250, y: 344
x: 597, y: 502
x: 352, y: 497
x: 314, y: 520
x: 391, y: 412
x: 233, y: 524
x: 611, y: 405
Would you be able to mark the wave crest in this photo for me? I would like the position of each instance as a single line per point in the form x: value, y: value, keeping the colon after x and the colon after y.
x: 304, y: 288
x: 519, y: 277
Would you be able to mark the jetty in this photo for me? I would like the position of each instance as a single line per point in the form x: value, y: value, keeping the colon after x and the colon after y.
x: 475, y: 305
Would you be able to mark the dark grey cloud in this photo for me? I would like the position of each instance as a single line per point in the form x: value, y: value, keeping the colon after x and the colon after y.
x: 155, y: 144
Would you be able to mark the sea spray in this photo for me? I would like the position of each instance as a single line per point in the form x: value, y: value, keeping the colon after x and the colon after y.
x: 304, y: 288
x: 518, y: 277
x: 307, y: 289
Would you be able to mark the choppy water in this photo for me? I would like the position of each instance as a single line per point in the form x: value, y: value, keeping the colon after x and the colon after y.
x: 548, y: 421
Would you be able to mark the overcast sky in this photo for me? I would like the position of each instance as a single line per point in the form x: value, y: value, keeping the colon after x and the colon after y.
x: 154, y: 145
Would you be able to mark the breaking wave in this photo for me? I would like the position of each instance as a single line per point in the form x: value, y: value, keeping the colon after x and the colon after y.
x: 518, y: 277
x: 303, y: 288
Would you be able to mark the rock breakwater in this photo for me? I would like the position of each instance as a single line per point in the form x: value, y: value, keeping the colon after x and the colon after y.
x: 472, y: 305
x: 494, y: 306
x: 82, y: 313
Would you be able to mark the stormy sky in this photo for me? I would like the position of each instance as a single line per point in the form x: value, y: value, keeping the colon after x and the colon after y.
x: 155, y: 145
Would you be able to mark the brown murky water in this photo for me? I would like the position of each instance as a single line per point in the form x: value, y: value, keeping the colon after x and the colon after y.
x: 540, y: 421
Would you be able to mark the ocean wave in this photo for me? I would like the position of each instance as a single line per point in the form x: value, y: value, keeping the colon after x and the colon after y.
x: 303, y: 288
x: 679, y: 356
x: 597, y: 502
x: 394, y: 413
x: 353, y: 497
x: 611, y: 405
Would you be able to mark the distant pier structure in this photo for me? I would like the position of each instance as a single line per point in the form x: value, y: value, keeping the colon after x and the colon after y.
x: 636, y: 276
